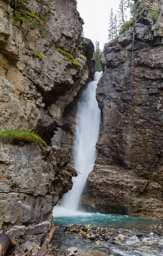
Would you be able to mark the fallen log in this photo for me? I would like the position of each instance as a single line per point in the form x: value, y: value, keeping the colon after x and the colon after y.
x: 6, y: 244
x: 45, y: 244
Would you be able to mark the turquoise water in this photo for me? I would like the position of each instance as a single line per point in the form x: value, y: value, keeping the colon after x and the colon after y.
x: 98, y: 219
x: 128, y: 236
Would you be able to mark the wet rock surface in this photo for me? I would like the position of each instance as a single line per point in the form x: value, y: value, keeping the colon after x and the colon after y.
x: 128, y: 173
x: 109, y: 241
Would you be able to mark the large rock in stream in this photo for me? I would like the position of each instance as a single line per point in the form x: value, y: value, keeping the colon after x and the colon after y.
x: 128, y: 173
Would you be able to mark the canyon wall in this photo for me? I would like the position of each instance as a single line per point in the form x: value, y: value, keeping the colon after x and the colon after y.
x: 128, y: 173
x: 44, y: 62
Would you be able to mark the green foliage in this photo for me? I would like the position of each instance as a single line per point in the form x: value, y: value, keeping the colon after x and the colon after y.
x: 96, y: 56
x: 25, y: 15
x: 38, y: 55
x: 125, y: 51
x: 155, y: 15
x: 67, y: 54
x: 69, y: 57
x: 74, y: 62
x: 22, y: 14
x: 15, y: 136
x: 126, y: 25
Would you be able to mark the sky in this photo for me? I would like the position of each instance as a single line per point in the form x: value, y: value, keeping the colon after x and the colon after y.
x: 95, y: 14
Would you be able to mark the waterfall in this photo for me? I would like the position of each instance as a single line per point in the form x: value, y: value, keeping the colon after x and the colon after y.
x: 84, y: 149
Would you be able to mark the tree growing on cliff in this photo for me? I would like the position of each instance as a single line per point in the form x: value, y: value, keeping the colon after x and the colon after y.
x: 125, y: 12
x: 122, y: 11
x: 113, y: 26
x: 97, y: 57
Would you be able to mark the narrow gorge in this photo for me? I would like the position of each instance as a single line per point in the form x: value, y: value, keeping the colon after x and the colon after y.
x: 45, y: 65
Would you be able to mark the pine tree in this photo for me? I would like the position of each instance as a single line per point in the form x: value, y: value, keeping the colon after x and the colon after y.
x: 111, y: 26
x: 97, y: 55
x: 130, y: 4
x: 115, y: 27
x: 122, y: 11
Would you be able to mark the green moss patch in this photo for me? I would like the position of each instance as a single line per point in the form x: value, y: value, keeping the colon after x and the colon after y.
x: 74, y: 62
x: 67, y: 54
x: 15, y: 136
x: 155, y: 15
x: 38, y: 55
x: 69, y: 57
x: 125, y: 26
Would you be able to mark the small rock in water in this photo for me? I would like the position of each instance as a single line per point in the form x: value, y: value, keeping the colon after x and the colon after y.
x: 72, y: 251
x: 120, y: 236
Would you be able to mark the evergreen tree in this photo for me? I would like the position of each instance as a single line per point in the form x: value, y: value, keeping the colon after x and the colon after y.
x: 122, y: 11
x: 115, y: 27
x: 111, y: 26
x: 130, y: 4
x: 97, y: 55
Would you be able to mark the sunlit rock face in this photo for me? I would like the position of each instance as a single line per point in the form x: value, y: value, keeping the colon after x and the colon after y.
x: 128, y: 173
x: 39, y: 85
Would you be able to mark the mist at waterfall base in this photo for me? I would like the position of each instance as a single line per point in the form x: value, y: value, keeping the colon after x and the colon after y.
x: 84, y: 155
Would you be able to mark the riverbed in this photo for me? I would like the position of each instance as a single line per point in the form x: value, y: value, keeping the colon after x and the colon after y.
x: 110, y: 235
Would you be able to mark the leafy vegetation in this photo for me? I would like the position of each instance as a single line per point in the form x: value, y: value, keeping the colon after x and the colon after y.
x: 15, y: 136
x: 67, y: 54
x: 24, y: 15
x: 126, y: 25
x: 74, y: 62
x: 69, y: 57
x: 155, y: 15
x: 38, y: 55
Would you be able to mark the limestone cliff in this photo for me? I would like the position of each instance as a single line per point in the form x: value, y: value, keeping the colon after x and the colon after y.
x: 44, y: 62
x: 128, y: 174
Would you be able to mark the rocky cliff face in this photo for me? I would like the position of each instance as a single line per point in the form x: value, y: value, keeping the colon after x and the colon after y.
x: 128, y: 174
x: 44, y: 62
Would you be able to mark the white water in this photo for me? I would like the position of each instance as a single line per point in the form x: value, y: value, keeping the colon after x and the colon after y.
x: 84, y: 149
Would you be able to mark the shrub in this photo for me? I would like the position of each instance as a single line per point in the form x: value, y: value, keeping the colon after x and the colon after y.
x: 125, y: 26
x: 15, y: 136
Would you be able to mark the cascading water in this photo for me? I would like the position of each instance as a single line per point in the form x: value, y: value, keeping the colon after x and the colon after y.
x: 84, y: 150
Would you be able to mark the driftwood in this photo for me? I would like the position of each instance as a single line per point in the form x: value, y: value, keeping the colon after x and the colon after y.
x: 28, y: 252
x: 6, y: 244
x: 45, y: 244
